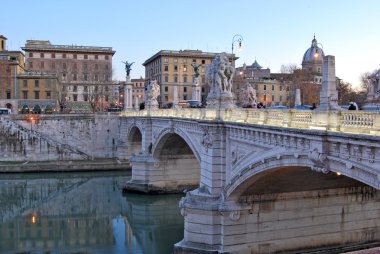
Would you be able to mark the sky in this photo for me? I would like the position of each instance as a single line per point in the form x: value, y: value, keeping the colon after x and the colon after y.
x: 275, y: 32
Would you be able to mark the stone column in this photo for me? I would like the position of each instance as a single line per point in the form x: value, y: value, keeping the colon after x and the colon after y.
x: 196, y: 90
x: 175, y: 96
x: 298, y: 97
x: 137, y: 106
x: 329, y: 93
x: 128, y: 94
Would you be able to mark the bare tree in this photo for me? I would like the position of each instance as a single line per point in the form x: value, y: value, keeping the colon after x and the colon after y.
x: 289, y: 68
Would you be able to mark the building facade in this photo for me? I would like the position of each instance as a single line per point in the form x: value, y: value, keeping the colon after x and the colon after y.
x: 38, y: 92
x: 138, y: 90
x: 174, y: 68
x: 85, y: 72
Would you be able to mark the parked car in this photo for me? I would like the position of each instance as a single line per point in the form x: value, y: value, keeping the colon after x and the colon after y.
x: 278, y: 107
x: 189, y: 104
x: 303, y: 107
x: 5, y: 111
x: 166, y: 105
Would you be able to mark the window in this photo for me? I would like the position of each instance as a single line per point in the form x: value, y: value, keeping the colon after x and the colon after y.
x: 175, y: 67
x: 280, y: 88
x: 96, y: 67
x: 194, y: 60
x: 64, y: 66
x: 63, y: 55
x: 176, y: 60
x: 272, y: 87
x: 185, y: 89
x: 175, y: 79
x: 106, y: 97
x: 36, y: 83
x: 30, y: 54
x: 265, y: 87
x: 75, y: 76
x: 96, y: 77
x: 107, y: 77
x: 75, y: 88
x: 185, y: 60
x: 166, y: 89
x: 75, y: 97
x: 166, y: 68
x: 85, y: 56
x: 287, y: 88
x: 265, y: 97
x: 184, y: 68
x: 25, y: 94
x: 85, y: 97
x: 48, y: 95
x: 166, y: 78
x: 185, y: 79
x: 63, y: 76
x: 166, y: 98
x: 203, y: 61
x: 42, y: 55
x: 75, y: 56
x: 106, y: 57
x: 25, y: 82
x: 106, y: 88
x: 166, y: 60
x: 53, y: 55
x: 8, y: 95
x: 85, y: 88
x: 85, y: 77
x: 36, y: 95
x: 42, y: 65
x: 272, y: 97
x: 203, y: 89
x: 185, y: 97
x: 96, y: 57
x: 30, y: 64
x: 203, y: 79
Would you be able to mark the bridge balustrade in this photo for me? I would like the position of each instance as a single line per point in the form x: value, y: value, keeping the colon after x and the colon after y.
x: 364, y: 122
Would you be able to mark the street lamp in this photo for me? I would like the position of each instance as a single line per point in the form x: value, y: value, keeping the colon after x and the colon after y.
x: 237, y: 38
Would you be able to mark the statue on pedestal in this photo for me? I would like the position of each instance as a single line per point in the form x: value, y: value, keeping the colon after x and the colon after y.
x: 220, y: 74
x: 249, y: 99
x: 151, y: 94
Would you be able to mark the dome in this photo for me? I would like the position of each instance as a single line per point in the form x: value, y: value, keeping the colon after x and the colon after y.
x: 256, y: 65
x: 314, y: 53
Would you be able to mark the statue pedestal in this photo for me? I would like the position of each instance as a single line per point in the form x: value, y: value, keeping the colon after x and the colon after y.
x: 151, y: 104
x: 128, y: 94
x: 196, y: 90
x: 222, y: 100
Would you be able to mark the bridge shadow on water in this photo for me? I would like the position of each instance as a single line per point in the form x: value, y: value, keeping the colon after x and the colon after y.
x: 84, y: 213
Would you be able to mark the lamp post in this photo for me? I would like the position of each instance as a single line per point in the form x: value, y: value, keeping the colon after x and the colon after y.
x: 236, y: 38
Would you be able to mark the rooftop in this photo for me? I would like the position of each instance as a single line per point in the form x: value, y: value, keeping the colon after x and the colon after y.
x: 47, y: 46
x: 184, y: 53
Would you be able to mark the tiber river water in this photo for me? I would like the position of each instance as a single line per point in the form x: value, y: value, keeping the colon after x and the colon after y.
x: 84, y: 213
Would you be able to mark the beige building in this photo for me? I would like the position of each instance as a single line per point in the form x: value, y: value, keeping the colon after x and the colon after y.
x: 37, y: 92
x: 138, y: 90
x: 173, y: 68
x: 85, y: 72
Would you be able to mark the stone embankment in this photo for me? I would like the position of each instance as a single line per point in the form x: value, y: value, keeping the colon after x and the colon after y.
x: 60, y: 143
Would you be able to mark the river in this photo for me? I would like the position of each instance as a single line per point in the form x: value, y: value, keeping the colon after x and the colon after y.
x: 84, y: 213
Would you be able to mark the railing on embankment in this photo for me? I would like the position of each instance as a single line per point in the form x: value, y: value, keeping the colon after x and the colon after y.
x: 363, y: 122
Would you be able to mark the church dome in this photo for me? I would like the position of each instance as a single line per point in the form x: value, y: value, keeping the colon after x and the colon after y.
x: 314, y: 53
x: 256, y: 65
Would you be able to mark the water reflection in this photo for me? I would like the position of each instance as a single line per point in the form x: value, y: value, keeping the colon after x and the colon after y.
x: 84, y: 212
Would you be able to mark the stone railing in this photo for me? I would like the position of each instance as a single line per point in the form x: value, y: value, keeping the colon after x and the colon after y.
x: 365, y: 122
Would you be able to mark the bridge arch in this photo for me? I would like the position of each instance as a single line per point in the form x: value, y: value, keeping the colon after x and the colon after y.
x: 285, y: 165
x: 177, y: 160
x: 134, y: 140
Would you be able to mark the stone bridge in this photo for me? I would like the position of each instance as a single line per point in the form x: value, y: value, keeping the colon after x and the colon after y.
x: 261, y: 181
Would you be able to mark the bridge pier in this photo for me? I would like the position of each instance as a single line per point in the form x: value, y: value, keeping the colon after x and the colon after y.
x: 165, y: 175
x: 281, y: 222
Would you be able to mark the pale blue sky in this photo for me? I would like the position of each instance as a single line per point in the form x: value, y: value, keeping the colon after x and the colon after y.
x: 275, y: 32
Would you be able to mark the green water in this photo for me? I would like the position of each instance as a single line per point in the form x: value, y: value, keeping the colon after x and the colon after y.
x: 84, y: 213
